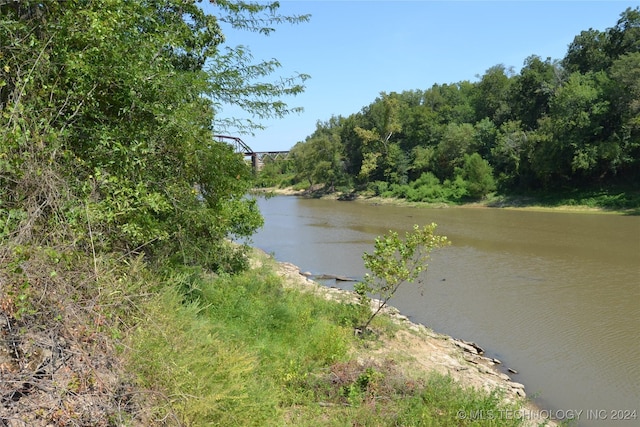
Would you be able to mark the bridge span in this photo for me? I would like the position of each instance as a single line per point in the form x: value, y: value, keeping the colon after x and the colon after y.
x: 257, y: 157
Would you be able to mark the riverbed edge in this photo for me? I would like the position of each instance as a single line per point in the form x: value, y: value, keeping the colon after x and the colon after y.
x: 521, y: 204
x: 430, y: 351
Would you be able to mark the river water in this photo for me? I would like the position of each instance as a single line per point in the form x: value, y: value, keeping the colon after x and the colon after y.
x: 555, y: 296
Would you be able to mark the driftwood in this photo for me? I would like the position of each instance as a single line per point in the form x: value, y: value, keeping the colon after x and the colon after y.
x: 331, y: 277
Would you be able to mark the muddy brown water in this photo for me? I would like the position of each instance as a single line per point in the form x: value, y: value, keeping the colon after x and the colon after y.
x: 555, y: 296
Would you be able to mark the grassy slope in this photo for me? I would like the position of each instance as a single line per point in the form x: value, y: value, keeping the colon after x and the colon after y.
x: 106, y: 342
x: 245, y: 350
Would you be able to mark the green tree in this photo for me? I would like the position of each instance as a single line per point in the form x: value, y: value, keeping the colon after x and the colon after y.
x: 491, y: 95
x: 478, y: 176
x: 624, y: 37
x: 588, y: 52
x: 593, y: 50
x: 507, y: 155
x: 541, y: 159
x: 625, y: 99
x: 422, y: 160
x: 395, y: 261
x: 320, y: 158
x: 457, y: 140
x: 533, y: 89
x: 376, y: 141
x: 422, y: 127
x: 107, y: 109
x: 453, y: 103
x: 486, y: 136
x: 580, y: 112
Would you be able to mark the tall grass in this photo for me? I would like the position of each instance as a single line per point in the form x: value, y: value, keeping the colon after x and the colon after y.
x: 198, y: 376
x: 243, y: 350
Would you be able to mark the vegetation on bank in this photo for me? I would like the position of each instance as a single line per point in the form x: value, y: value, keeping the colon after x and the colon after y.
x: 245, y: 350
x: 569, y: 128
x: 138, y: 345
x: 122, y: 301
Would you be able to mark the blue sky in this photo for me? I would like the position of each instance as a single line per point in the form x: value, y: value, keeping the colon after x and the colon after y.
x: 354, y: 50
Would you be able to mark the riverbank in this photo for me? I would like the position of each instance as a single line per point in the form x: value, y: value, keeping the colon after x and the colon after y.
x: 418, y: 351
x: 504, y: 283
x: 265, y: 347
x: 515, y: 203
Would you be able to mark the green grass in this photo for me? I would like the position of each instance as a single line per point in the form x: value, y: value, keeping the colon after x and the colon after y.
x: 243, y: 350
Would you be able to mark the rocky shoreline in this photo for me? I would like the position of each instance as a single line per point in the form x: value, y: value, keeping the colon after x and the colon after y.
x: 420, y: 350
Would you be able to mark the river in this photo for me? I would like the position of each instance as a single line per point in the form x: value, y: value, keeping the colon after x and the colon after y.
x: 555, y: 296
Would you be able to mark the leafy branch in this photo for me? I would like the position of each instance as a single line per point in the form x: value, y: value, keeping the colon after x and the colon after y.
x: 395, y: 261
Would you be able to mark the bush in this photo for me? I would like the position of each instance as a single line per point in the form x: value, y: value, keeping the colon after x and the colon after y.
x: 478, y: 175
x: 378, y: 187
x: 395, y: 261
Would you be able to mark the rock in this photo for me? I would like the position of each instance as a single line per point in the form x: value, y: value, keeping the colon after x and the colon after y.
x: 466, y: 347
x: 470, y: 358
x: 504, y: 377
x: 330, y: 277
x: 517, y: 385
x: 401, y: 317
x: 486, y: 370
x: 479, y: 349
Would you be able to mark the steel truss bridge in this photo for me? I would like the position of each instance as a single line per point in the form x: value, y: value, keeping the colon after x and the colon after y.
x: 257, y: 157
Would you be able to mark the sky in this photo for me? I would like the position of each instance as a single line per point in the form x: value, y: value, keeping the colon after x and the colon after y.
x: 354, y: 50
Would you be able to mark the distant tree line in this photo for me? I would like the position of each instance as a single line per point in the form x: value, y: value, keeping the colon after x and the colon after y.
x: 557, y: 124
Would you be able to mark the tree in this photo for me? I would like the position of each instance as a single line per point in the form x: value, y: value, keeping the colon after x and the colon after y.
x: 376, y: 141
x: 532, y: 90
x: 491, y: 95
x: 594, y: 50
x: 451, y: 102
x: 478, y: 175
x: 393, y: 262
x: 486, y: 135
x: 588, y: 52
x: 624, y: 37
x: 625, y: 74
x: 422, y: 160
x: 457, y: 140
x: 508, y: 153
x: 320, y: 158
x: 580, y: 113
x: 107, y: 112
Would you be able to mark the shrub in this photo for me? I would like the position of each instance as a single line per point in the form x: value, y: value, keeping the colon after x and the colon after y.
x: 394, y: 262
x: 478, y: 175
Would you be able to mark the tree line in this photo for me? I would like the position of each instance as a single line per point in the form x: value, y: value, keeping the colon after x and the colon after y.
x: 555, y: 124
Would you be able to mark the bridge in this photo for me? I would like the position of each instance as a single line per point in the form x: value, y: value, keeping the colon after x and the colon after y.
x: 257, y: 157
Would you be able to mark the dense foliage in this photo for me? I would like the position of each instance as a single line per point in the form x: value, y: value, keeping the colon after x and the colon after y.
x: 109, y: 180
x: 556, y: 125
x: 107, y: 109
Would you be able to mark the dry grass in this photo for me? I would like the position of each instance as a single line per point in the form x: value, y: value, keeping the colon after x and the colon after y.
x: 58, y: 363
